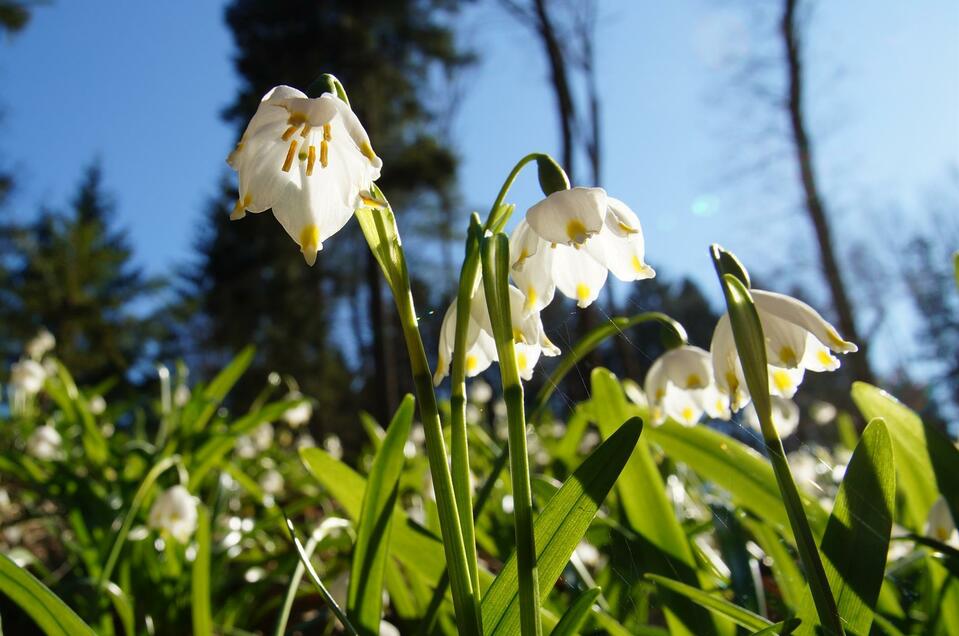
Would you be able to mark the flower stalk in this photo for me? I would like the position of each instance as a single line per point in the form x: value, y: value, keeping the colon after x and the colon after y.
x: 495, y: 258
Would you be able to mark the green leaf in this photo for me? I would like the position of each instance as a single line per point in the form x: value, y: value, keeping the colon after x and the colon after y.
x: 735, y: 467
x: 200, y: 581
x: 642, y: 493
x: 788, y: 577
x: 577, y: 614
x: 585, y: 345
x: 926, y: 461
x: 365, y: 594
x: 214, y: 393
x: 122, y: 606
x: 856, y: 540
x: 739, y: 615
x: 783, y: 628
x: 51, y: 614
x: 560, y: 526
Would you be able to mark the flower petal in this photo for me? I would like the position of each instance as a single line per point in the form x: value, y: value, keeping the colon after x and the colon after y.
x: 577, y: 274
x: 569, y: 217
x: 799, y: 313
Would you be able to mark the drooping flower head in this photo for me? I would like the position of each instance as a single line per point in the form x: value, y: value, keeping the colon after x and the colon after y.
x: 309, y: 159
x: 798, y: 339
x: 175, y: 512
x: 680, y: 385
x: 570, y: 241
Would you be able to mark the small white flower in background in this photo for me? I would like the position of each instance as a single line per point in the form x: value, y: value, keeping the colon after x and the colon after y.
x: 480, y: 347
x: 785, y: 415
x: 480, y: 392
x: 310, y: 160
x: 97, y: 405
x: 388, y: 629
x: 822, y: 413
x: 305, y: 441
x: 635, y: 393
x: 181, y: 395
x: 587, y: 553
x: 571, y: 240
x: 262, y: 436
x: 473, y: 414
x: 940, y: 525
x: 40, y: 344
x: 174, y: 512
x: 245, y: 447
x: 680, y: 385
x: 44, y: 443
x: 798, y: 339
x: 27, y: 376
x: 271, y: 482
x: 507, y: 504
x: 333, y: 446
x: 299, y: 414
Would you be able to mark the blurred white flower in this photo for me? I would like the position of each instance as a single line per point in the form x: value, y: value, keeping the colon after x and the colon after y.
x: 308, y: 159
x: 388, y: 629
x: 271, y: 482
x: 822, y: 412
x: 680, y: 385
x: 571, y: 240
x: 44, y: 443
x: 27, y: 376
x: 587, y: 553
x: 262, y: 436
x: 97, y: 405
x: 507, y: 504
x: 798, y: 339
x: 174, y: 512
x: 299, y: 414
x: 480, y: 392
x: 40, y: 344
x: 785, y: 415
x: 333, y: 446
x: 305, y: 441
x: 181, y: 395
x: 940, y: 525
x: 635, y: 393
x: 473, y: 414
x: 245, y: 447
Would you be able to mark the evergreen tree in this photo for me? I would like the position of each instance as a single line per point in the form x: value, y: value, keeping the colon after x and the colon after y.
x: 72, y: 274
x: 251, y: 283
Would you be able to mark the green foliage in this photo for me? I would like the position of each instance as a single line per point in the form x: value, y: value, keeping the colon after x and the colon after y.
x: 43, y: 606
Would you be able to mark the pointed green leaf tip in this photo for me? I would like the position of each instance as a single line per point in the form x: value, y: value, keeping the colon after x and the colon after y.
x: 552, y: 177
x: 727, y: 263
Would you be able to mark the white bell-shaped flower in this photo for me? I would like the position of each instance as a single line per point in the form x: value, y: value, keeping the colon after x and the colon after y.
x: 310, y: 160
x: 540, y: 263
x: 299, y: 414
x: 27, y: 376
x: 680, y: 385
x: 174, y: 512
x: 798, y: 339
x: 40, y: 345
x: 940, y: 525
x: 785, y: 415
x: 44, y: 443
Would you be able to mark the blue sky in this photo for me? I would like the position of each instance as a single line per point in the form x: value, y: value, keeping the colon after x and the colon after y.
x: 140, y: 85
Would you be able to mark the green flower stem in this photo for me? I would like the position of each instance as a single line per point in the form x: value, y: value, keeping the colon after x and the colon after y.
x: 379, y: 228
x: 495, y: 251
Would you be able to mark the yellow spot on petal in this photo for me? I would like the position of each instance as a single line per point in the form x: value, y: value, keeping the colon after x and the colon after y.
x: 660, y: 393
x: 782, y: 380
x: 732, y: 381
x: 310, y: 160
x: 788, y: 356
x: 583, y: 292
x: 471, y: 363
x: 289, y: 156
x: 576, y: 231
x: 297, y: 119
x: 324, y: 153
x: 942, y: 533
x: 638, y: 266
x: 719, y: 406
x: 824, y: 358
x: 627, y: 229
x: 367, y: 150
x: 239, y: 209
x: 530, y: 298
x: 518, y: 336
x: 693, y: 381
x: 835, y: 342
x: 310, y: 242
x: 521, y: 360
x: 687, y: 415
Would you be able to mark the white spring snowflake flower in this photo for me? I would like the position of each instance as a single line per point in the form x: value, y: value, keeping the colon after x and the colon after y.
x: 174, y: 512
x: 798, y: 339
x: 45, y: 443
x: 785, y: 415
x: 570, y: 241
x: 40, y: 344
x: 940, y: 525
x: 680, y: 385
x: 27, y: 376
x: 310, y: 160
x: 299, y: 414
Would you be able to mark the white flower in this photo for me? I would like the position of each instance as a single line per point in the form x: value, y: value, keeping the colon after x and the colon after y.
x: 244, y: 447
x: 174, y: 512
x: 181, y: 395
x: 940, y: 524
x: 262, y: 436
x: 271, y: 482
x: 530, y: 341
x: 680, y: 385
x: 797, y: 339
x: 822, y: 412
x: 480, y: 392
x: 27, y: 376
x: 97, y: 405
x: 785, y: 415
x: 333, y: 446
x: 44, y: 443
x: 299, y: 414
x: 40, y: 344
x: 310, y: 160
x: 570, y: 241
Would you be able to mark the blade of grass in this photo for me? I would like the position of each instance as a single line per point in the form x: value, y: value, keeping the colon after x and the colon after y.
x: 572, y: 621
x: 737, y: 614
x: 200, y: 581
x: 50, y: 613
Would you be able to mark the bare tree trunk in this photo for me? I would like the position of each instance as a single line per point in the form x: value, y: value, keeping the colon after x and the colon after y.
x: 814, y: 205
x: 384, y: 365
x: 565, y: 105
